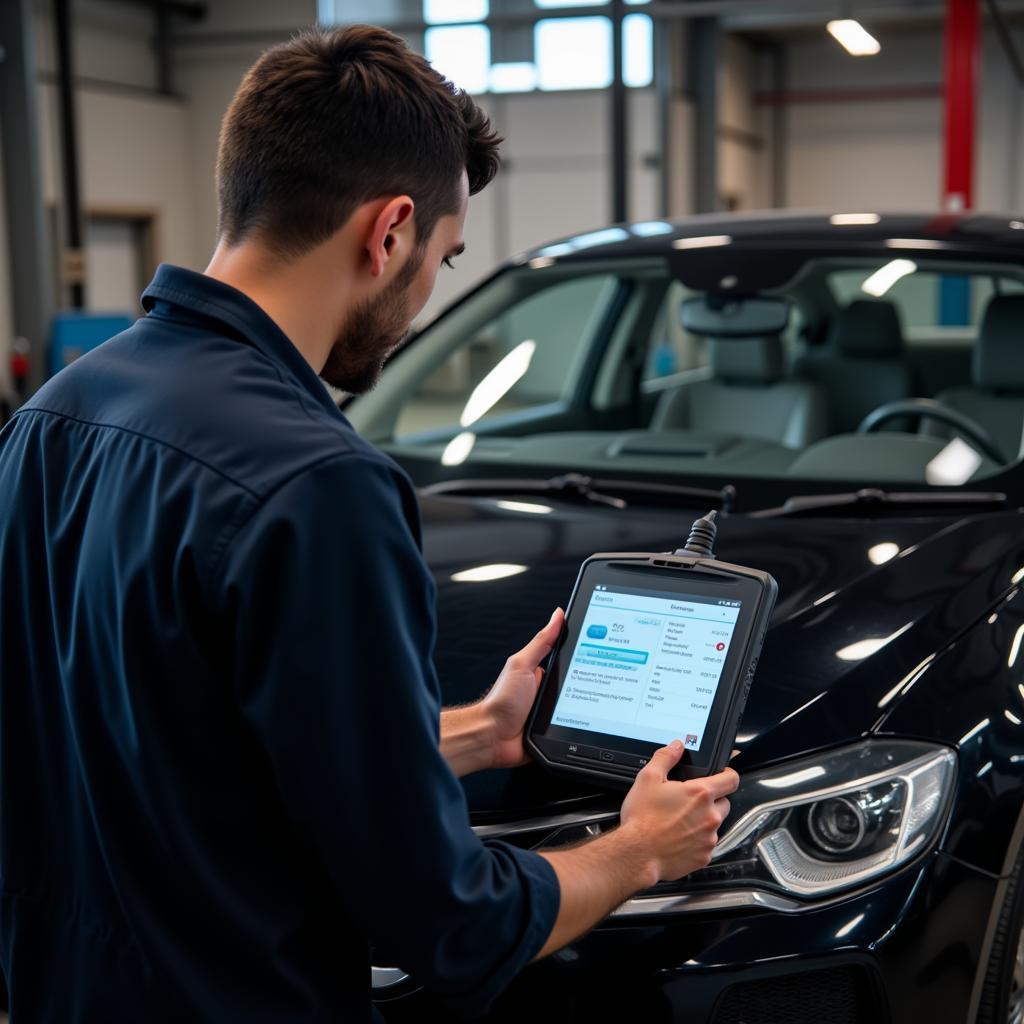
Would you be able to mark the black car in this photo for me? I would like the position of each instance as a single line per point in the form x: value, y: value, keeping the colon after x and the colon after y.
x: 849, y: 391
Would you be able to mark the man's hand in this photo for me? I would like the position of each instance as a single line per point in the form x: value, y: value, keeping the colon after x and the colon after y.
x: 509, y: 700
x: 676, y: 822
x: 489, y: 734
x: 668, y: 829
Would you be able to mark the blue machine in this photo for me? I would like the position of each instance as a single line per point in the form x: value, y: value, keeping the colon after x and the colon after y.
x: 76, y: 332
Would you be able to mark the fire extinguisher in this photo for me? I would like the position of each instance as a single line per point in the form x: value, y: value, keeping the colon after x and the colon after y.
x: 20, y: 367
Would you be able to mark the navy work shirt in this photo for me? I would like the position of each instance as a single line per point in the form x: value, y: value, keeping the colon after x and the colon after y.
x: 220, y: 780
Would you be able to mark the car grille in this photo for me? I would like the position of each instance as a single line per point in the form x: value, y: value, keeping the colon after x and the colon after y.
x: 836, y: 995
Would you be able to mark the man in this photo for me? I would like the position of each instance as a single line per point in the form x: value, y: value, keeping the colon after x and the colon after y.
x: 224, y: 772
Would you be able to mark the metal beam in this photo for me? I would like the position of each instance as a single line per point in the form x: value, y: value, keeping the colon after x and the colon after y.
x: 73, y: 261
x: 736, y: 15
x: 664, y: 73
x: 705, y: 48
x: 780, y: 126
x: 29, y: 261
x: 618, y: 136
x: 961, y: 71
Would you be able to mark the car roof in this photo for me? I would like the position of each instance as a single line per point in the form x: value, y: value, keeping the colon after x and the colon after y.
x: 999, y: 233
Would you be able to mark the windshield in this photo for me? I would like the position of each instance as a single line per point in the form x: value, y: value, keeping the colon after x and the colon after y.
x: 714, y: 366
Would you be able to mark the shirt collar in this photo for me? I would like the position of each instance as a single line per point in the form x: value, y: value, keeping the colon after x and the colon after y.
x: 199, y: 293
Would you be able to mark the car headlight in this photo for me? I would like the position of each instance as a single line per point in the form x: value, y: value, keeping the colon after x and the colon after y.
x: 835, y: 820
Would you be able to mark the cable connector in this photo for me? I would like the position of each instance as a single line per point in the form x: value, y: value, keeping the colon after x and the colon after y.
x: 701, y: 541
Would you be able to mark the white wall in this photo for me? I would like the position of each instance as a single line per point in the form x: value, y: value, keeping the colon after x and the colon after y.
x: 886, y: 154
x: 208, y: 76
x: 133, y: 145
x: 557, y: 178
x: 741, y: 145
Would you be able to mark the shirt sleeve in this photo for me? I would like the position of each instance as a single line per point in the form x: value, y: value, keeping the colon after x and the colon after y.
x: 332, y: 609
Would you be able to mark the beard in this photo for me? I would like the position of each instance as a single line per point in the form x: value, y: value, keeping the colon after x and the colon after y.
x: 371, y: 333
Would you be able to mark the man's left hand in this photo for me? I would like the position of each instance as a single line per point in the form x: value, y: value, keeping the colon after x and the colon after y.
x: 489, y: 734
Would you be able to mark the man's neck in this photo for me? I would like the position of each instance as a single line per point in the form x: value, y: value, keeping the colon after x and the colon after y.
x: 291, y: 294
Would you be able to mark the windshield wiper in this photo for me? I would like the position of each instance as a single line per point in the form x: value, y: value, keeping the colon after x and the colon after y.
x: 869, y: 500
x: 613, y: 493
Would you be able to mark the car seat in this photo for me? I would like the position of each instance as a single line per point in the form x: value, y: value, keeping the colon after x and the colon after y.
x: 863, y: 366
x: 996, y: 399
x: 746, y: 396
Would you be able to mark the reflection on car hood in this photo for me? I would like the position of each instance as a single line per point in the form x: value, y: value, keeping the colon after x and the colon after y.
x: 862, y: 604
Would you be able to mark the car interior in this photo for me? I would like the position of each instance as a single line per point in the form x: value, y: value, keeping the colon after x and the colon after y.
x: 595, y: 367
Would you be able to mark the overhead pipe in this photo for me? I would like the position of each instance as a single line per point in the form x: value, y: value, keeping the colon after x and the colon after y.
x: 853, y: 94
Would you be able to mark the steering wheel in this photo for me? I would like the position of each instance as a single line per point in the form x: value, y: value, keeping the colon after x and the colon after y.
x: 930, y: 409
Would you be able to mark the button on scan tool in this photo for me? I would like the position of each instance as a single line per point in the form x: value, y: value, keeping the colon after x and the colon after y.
x: 618, y: 757
x: 580, y: 750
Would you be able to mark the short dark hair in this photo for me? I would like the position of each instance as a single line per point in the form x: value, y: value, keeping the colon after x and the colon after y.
x: 334, y: 118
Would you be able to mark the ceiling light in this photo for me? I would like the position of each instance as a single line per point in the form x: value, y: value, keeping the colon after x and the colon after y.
x: 885, y: 277
x: 853, y: 37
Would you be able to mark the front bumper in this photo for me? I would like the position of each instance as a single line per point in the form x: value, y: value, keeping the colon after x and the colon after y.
x: 905, y: 950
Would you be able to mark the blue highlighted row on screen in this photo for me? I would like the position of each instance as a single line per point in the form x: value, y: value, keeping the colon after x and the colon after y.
x: 612, y: 654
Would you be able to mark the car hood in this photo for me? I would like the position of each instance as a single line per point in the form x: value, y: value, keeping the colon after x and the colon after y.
x: 863, y: 605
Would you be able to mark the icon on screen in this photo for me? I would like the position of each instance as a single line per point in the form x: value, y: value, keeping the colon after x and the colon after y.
x: 719, y: 647
x: 597, y: 632
x: 691, y: 742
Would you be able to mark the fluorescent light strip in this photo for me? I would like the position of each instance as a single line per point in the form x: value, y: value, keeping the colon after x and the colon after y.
x: 853, y: 37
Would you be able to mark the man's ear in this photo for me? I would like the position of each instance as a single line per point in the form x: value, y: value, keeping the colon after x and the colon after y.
x: 392, y: 233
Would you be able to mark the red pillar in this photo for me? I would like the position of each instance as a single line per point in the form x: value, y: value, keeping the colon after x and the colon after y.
x: 962, y: 44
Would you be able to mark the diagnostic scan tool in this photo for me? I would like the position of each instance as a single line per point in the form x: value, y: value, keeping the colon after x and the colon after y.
x: 656, y: 647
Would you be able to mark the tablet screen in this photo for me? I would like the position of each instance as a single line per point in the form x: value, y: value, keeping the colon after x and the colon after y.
x: 647, y: 665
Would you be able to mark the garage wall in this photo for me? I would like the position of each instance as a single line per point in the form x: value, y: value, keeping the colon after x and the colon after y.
x: 207, y: 72
x: 133, y: 143
x: 556, y: 182
x: 886, y: 154
x: 743, y: 140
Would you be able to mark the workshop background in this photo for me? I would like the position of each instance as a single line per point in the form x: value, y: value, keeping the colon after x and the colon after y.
x: 722, y: 105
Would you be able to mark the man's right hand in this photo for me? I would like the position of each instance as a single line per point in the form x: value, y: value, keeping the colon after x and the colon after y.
x: 676, y: 823
x: 668, y: 829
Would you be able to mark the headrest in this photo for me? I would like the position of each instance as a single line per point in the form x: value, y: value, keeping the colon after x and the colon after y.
x: 747, y: 359
x: 869, y: 327
x: 999, y: 352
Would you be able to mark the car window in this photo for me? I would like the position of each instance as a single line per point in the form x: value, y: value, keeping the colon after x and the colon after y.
x: 522, y: 357
x: 583, y: 366
x: 673, y: 349
x: 933, y: 306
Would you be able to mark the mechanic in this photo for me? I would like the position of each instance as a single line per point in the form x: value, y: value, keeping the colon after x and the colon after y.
x: 224, y: 770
